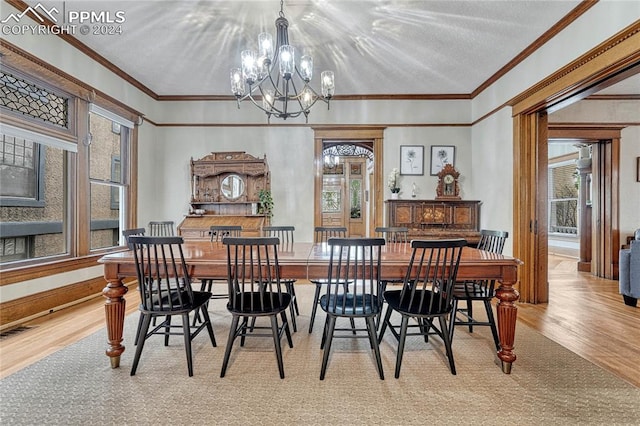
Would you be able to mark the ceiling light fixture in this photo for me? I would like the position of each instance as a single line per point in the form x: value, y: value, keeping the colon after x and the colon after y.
x: 271, y: 74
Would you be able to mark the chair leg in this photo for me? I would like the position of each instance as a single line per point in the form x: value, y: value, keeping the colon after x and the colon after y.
x: 295, y: 298
x: 243, y: 325
x: 287, y: 331
x: 331, y: 325
x: 186, y: 330
x: 447, y: 344
x: 316, y: 298
x: 232, y: 337
x: 146, y: 322
x: 452, y: 319
x: 207, y: 320
x: 324, y: 332
x: 167, y: 329
x: 292, y: 306
x: 385, y: 321
x: 135, y: 341
x: 203, y: 285
x: 492, y: 324
x: 402, y: 338
x: 371, y: 329
x: 470, y: 313
x: 276, y: 342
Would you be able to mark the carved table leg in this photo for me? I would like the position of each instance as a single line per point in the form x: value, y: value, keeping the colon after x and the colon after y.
x: 507, y: 313
x: 114, y: 312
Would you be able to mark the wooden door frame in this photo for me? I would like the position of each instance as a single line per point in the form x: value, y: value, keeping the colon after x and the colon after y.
x: 605, y: 223
x: 613, y: 60
x: 346, y: 133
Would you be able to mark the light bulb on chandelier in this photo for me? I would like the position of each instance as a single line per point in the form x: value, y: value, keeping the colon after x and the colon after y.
x: 271, y: 74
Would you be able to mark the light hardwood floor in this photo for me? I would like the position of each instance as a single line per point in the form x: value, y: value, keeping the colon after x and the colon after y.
x: 585, y: 314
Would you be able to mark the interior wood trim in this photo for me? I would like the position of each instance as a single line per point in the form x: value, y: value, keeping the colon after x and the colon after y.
x: 583, y: 131
x: 15, y: 275
x: 374, y: 133
x: 555, y: 29
x: 42, y: 303
x: 539, y: 42
x: 22, y: 6
x: 17, y: 58
x: 615, y: 55
x: 369, y: 97
x: 597, y: 97
x: 385, y: 125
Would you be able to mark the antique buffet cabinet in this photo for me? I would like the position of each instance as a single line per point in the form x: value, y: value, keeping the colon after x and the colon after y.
x: 225, y: 190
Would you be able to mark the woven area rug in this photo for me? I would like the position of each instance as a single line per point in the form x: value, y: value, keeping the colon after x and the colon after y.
x: 548, y: 384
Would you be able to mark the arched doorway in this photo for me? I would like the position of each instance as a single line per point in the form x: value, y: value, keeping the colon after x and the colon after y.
x: 357, y: 141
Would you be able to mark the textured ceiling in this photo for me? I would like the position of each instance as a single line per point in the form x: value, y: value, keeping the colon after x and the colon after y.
x: 374, y: 47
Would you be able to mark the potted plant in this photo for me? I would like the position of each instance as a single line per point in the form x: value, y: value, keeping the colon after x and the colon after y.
x: 265, y: 204
x: 393, y: 183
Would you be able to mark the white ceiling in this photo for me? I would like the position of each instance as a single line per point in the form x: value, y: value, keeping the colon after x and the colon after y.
x: 373, y: 46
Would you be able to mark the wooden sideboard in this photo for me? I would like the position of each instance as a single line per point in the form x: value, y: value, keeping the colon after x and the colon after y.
x: 436, y: 219
x: 225, y: 190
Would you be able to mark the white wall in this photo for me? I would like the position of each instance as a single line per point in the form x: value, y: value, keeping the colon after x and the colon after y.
x: 492, y: 177
x: 289, y: 152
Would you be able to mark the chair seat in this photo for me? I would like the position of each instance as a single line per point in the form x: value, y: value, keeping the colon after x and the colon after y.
x: 392, y: 298
x: 341, y: 304
x: 472, y: 290
x: 266, y: 303
x: 199, y: 298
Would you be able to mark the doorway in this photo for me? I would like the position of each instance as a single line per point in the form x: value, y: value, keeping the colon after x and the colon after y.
x: 345, y: 185
x: 348, y: 179
x: 563, y: 88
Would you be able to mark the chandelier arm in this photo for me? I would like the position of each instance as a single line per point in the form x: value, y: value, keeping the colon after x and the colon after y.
x: 282, y: 88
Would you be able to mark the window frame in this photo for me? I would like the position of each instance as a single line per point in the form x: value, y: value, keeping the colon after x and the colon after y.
x: 79, y: 255
x: 38, y: 200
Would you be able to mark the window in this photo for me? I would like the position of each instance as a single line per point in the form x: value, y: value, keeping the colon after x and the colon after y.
x: 21, y: 171
x: 563, y: 198
x: 34, y: 197
x: 109, y: 141
x: 64, y: 174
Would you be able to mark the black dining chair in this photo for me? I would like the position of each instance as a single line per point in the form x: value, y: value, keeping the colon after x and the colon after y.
x: 165, y: 291
x: 426, y: 294
x: 129, y: 232
x: 165, y: 228
x: 126, y: 234
x: 355, y: 260
x: 217, y: 234
x: 391, y: 234
x: 482, y: 291
x: 255, y: 290
x: 285, y: 234
x: 321, y: 234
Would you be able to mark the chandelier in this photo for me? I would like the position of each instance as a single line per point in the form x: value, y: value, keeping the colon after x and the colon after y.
x: 271, y: 74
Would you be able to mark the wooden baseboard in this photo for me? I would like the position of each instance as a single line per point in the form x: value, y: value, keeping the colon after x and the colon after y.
x: 26, y: 308
x: 584, y: 266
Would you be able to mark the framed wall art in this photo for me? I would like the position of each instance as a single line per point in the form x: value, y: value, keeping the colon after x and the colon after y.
x: 412, y: 160
x: 440, y: 156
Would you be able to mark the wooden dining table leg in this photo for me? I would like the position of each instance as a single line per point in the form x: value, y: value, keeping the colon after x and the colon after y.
x: 114, y: 309
x: 507, y: 314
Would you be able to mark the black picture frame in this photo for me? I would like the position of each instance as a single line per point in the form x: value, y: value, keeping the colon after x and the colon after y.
x: 440, y: 156
x: 411, y: 160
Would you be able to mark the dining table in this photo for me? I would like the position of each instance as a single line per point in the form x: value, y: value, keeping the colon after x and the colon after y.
x: 305, y: 261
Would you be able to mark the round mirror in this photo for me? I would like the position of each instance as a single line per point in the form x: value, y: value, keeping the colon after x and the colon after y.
x: 232, y: 187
